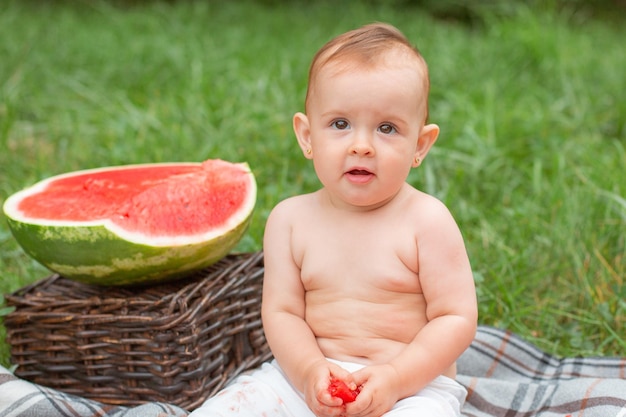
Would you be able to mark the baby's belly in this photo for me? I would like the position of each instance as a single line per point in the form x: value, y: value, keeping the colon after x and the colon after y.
x: 367, y: 351
x: 365, y: 332
x: 386, y: 321
x: 360, y: 349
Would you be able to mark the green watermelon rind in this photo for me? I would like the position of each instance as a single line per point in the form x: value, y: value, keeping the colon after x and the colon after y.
x: 96, y: 253
x: 103, y: 257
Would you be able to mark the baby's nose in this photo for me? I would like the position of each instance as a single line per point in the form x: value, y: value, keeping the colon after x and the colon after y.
x: 362, y: 145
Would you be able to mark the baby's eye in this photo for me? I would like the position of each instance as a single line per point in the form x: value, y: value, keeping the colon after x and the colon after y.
x: 340, y: 124
x: 387, y: 128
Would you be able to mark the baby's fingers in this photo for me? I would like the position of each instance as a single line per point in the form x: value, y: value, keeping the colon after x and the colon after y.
x: 363, y: 406
x: 340, y: 373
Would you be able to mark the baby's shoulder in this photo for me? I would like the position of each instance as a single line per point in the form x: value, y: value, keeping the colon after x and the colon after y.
x: 292, y: 206
x: 431, y: 216
x: 424, y: 201
x: 296, y: 202
x: 427, y: 208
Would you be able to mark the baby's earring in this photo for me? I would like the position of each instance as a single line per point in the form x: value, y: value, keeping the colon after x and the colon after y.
x: 417, y: 160
x: 308, y: 151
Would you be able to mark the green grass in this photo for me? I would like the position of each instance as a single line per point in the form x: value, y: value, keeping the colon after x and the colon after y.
x: 530, y: 102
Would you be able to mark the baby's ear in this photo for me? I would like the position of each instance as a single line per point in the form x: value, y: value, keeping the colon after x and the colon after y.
x: 302, y: 129
x: 428, y: 137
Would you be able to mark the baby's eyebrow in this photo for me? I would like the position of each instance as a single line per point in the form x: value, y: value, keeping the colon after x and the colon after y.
x: 333, y: 114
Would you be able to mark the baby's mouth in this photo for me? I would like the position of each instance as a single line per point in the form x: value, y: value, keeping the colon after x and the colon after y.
x: 359, y: 172
x: 359, y: 175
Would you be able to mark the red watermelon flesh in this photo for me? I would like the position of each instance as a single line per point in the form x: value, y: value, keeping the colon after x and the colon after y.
x: 152, y: 200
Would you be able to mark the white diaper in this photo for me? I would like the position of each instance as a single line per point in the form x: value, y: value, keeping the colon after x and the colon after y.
x: 266, y: 391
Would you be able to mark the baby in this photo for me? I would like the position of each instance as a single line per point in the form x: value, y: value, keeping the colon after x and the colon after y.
x: 367, y: 280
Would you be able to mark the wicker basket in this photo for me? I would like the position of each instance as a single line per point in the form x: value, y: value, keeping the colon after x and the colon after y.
x: 177, y: 342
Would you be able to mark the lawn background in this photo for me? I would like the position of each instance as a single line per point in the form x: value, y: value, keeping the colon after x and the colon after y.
x: 530, y: 98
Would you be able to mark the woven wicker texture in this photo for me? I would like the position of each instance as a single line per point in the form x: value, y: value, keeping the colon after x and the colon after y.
x: 177, y: 342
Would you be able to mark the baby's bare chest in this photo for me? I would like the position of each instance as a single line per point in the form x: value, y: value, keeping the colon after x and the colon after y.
x: 360, y: 260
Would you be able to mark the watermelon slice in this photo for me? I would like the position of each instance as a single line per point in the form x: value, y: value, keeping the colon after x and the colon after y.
x: 136, y: 223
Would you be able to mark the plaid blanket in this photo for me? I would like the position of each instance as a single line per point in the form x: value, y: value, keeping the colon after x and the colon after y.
x: 505, y: 377
x: 19, y: 398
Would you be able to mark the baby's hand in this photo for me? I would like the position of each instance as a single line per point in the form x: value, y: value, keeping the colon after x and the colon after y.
x: 378, y: 391
x: 316, y: 389
x: 340, y: 389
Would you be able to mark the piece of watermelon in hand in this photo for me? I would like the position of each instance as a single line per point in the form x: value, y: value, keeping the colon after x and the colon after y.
x: 340, y: 389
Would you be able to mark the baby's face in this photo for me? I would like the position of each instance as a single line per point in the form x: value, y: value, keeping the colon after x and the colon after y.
x: 364, y: 125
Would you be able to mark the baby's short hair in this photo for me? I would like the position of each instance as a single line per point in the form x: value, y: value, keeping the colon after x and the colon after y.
x: 369, y: 45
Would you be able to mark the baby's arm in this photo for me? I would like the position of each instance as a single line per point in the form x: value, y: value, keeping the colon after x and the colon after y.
x: 447, y: 284
x: 283, y: 308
